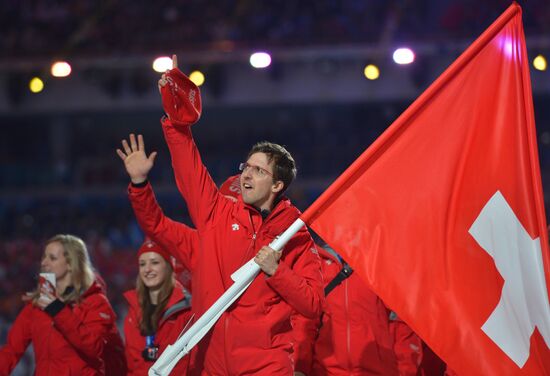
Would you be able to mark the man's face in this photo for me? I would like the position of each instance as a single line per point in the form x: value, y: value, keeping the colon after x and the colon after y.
x: 257, y: 186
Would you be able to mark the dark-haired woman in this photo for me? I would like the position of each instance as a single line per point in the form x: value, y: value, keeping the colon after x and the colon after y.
x: 159, y: 309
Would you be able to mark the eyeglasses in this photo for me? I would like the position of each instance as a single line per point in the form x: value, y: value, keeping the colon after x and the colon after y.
x: 256, y: 170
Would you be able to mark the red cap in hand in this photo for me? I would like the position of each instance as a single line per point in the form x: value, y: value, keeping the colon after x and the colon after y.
x: 181, y: 98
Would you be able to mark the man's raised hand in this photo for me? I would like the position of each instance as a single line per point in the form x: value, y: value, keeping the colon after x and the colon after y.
x: 163, y: 79
x: 174, y: 61
x: 135, y: 160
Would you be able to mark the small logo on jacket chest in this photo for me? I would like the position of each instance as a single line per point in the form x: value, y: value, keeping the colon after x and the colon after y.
x: 235, y: 227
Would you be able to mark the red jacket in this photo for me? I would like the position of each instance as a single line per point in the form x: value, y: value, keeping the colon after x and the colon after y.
x: 183, y: 242
x: 254, y: 336
x: 355, y: 337
x: 177, y: 238
x: 70, y: 343
x: 408, y: 348
x: 176, y: 316
x: 305, y: 332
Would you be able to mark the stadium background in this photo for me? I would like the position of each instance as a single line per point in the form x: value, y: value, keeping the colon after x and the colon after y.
x: 58, y: 169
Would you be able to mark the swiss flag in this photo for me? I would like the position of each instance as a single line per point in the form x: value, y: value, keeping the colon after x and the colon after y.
x: 443, y: 215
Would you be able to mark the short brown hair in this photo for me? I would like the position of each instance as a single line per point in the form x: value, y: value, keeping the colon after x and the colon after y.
x: 284, y: 167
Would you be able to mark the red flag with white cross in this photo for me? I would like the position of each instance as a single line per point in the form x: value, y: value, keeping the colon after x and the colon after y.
x: 443, y: 215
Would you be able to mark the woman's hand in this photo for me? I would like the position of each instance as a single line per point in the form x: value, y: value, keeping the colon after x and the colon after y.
x: 27, y: 297
x: 47, y: 296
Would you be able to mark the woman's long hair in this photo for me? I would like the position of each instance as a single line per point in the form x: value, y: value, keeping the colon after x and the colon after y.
x: 82, y: 274
x: 150, y: 313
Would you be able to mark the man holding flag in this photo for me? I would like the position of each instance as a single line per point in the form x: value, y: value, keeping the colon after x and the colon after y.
x: 183, y: 241
x: 254, y: 336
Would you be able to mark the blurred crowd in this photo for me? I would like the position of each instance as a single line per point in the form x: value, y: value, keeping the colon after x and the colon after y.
x: 114, y: 27
x: 81, y: 153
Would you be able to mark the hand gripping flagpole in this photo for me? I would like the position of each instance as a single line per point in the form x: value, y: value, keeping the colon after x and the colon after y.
x: 242, y: 278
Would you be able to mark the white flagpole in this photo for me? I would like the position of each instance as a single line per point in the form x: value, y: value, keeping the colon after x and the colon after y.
x: 243, y: 277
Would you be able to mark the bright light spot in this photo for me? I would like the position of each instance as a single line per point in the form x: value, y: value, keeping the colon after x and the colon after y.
x: 197, y: 77
x: 372, y: 72
x: 508, y: 48
x: 36, y: 85
x: 61, y: 69
x: 260, y: 60
x: 507, y: 44
x: 162, y: 64
x: 403, y: 56
x: 540, y: 63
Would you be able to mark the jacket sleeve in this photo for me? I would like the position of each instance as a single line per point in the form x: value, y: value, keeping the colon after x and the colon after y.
x: 192, y: 179
x: 18, y: 339
x: 305, y: 332
x: 407, y: 347
x: 300, y: 284
x: 177, y: 238
x: 87, y: 333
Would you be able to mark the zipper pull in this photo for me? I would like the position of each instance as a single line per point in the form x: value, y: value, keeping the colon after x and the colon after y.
x: 254, y: 236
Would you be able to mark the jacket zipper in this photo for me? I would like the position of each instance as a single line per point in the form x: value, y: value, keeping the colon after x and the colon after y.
x: 227, y: 314
x: 250, y: 249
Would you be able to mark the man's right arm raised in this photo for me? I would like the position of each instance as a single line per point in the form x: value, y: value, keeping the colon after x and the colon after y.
x: 182, y: 105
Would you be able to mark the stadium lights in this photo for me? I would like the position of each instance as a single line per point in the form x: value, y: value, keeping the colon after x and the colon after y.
x: 61, y: 69
x: 539, y: 62
x: 403, y: 56
x: 371, y: 72
x: 162, y: 64
x: 36, y: 85
x: 260, y: 60
x: 197, y: 77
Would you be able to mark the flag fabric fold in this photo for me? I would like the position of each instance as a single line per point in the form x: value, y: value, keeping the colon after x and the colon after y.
x: 403, y: 213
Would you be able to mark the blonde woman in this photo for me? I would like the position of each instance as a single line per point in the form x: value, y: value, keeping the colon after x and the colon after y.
x: 68, y: 326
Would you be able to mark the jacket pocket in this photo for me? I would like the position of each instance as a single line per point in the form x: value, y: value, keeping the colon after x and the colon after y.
x: 249, y: 335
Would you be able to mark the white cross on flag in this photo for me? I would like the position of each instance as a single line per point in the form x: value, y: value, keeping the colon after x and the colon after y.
x: 443, y: 215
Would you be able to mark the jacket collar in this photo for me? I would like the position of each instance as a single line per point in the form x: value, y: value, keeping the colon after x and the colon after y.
x: 94, y: 288
x: 278, y: 220
x: 326, y: 255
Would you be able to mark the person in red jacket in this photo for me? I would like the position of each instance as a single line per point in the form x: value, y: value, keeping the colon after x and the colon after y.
x: 68, y: 325
x: 182, y: 241
x: 159, y: 309
x: 254, y: 336
x: 357, y: 334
